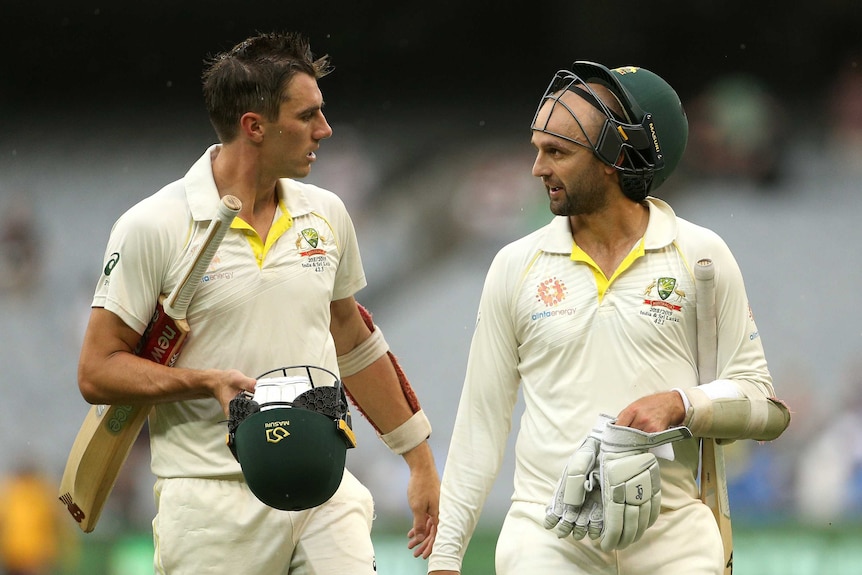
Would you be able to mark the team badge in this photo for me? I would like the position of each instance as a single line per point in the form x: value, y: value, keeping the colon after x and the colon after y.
x: 311, y: 236
x: 311, y: 246
x: 665, y: 287
x: 662, y: 311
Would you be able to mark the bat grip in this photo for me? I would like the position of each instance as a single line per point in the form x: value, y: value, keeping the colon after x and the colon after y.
x: 707, y: 337
x: 178, y: 300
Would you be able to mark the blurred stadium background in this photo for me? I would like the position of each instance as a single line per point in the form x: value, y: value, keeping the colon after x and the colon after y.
x: 430, y: 106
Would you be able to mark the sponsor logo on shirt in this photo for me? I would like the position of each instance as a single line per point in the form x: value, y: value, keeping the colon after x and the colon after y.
x: 109, y: 267
x: 553, y: 313
x: 213, y: 274
x: 551, y: 292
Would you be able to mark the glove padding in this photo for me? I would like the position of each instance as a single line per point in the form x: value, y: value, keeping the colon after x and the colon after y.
x: 576, y: 507
x: 630, y: 482
x: 591, y: 517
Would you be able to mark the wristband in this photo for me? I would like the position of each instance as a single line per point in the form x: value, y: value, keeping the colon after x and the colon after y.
x: 409, y: 434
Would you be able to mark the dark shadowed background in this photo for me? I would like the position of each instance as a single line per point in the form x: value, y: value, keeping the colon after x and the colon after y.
x: 397, y: 55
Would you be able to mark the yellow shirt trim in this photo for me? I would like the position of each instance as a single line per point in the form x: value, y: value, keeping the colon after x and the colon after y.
x: 282, y: 223
x: 602, y: 281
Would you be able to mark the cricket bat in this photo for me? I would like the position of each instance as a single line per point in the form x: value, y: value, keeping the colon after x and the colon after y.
x: 713, y: 477
x: 108, y: 432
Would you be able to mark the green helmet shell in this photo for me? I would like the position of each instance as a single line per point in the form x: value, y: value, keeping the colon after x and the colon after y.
x: 292, y: 458
x: 643, y: 92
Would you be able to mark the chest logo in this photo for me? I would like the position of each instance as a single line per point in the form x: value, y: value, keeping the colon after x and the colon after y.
x: 662, y: 311
x: 310, y: 242
x: 665, y: 287
x: 551, y: 292
x: 311, y: 236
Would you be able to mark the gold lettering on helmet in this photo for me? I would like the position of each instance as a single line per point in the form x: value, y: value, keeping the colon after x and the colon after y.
x: 626, y: 70
x: 276, y: 434
x: 654, y: 138
x: 276, y: 423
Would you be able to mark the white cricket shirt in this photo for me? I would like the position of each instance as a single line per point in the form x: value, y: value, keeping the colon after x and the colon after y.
x: 259, y: 307
x: 578, y: 344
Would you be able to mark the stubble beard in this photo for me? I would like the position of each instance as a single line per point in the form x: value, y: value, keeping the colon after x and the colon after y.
x: 587, y: 197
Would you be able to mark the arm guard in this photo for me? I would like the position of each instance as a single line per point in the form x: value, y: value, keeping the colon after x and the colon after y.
x: 724, y: 417
x: 413, y: 431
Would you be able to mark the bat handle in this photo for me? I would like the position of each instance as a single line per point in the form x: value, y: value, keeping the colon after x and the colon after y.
x: 704, y: 270
x: 178, y: 300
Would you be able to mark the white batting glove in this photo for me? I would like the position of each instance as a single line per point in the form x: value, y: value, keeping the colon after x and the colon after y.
x: 577, y: 484
x: 631, y: 482
x: 591, y: 517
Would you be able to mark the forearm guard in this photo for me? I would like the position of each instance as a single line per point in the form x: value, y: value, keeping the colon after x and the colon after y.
x: 758, y: 418
x: 413, y: 431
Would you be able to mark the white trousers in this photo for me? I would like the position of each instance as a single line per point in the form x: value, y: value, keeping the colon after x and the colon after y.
x: 684, y: 541
x: 218, y: 526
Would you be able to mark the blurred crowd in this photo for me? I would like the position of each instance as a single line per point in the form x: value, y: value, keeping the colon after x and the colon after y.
x: 741, y: 134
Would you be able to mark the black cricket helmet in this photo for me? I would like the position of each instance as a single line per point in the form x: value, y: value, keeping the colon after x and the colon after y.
x: 291, y: 442
x: 650, y: 136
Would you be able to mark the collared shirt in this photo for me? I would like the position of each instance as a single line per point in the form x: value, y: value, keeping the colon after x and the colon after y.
x: 260, y: 305
x: 577, y: 344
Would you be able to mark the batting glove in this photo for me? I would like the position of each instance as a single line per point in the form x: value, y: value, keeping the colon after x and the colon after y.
x: 631, y: 482
x: 576, y: 505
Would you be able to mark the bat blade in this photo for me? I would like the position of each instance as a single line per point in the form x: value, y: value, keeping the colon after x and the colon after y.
x: 714, y: 494
x: 97, y: 455
x: 108, y: 432
x: 713, y: 475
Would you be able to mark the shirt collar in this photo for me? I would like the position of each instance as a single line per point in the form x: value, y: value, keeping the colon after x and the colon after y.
x: 662, y: 227
x: 203, y: 197
x: 661, y: 230
x: 201, y: 191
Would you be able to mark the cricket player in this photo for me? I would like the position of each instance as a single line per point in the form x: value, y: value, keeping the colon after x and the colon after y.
x: 592, y: 318
x: 280, y: 292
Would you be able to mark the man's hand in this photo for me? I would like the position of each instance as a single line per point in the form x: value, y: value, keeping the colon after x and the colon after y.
x: 423, y: 496
x: 653, y: 413
x: 227, y: 384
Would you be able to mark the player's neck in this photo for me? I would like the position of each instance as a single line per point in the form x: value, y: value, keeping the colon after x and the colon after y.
x: 239, y: 176
x: 609, y: 235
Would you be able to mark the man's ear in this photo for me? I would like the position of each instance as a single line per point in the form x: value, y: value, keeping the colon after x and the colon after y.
x: 251, y: 126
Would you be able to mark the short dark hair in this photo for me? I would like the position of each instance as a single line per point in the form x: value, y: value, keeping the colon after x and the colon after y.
x: 252, y: 77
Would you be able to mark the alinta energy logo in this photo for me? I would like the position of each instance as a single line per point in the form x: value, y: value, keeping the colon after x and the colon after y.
x: 213, y: 272
x: 551, y: 292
